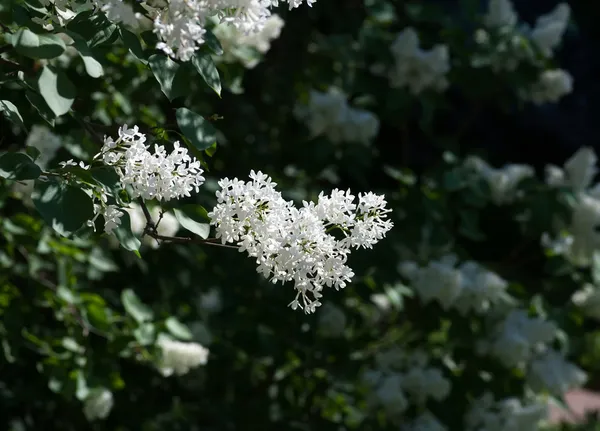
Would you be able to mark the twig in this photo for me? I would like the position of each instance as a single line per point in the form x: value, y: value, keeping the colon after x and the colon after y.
x: 150, y: 230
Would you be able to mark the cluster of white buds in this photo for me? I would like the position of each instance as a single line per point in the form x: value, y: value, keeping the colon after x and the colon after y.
x: 297, y: 244
x: 329, y: 114
x: 160, y: 175
x: 416, y: 68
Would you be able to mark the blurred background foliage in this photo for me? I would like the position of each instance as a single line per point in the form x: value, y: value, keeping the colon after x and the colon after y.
x: 71, y: 322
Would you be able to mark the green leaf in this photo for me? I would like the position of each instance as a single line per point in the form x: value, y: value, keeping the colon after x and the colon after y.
x: 18, y: 166
x: 210, y: 151
x: 95, y: 28
x: 56, y: 89
x: 132, y: 42
x: 164, y: 70
x: 213, y: 43
x: 92, y: 66
x: 178, y: 329
x: 11, y: 112
x: 205, y: 66
x: 125, y: 236
x: 135, y: 307
x: 97, y: 315
x: 33, y: 152
x: 37, y: 46
x: 65, y: 208
x: 41, y: 107
x: 200, y: 132
x: 145, y: 334
x: 190, y: 216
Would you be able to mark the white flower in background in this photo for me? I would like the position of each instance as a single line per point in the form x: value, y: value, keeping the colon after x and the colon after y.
x: 510, y: 414
x: 118, y: 11
x: 332, y: 321
x: 439, y: 281
x: 425, y: 422
x: 578, y: 172
x: 519, y: 337
x: 389, y: 394
x: 588, y: 300
x: 247, y: 48
x: 503, y: 181
x: 552, y: 85
x: 156, y: 175
x: 416, y: 68
x: 482, y: 289
x: 550, y: 28
x: 579, y: 241
x: 179, y: 357
x: 292, y: 244
x: 168, y: 226
x: 469, y: 287
x: 210, y: 301
x: 46, y: 142
x: 501, y: 13
x: 586, y: 239
x: 330, y: 114
x: 552, y: 372
x: 404, y: 379
x: 98, y: 404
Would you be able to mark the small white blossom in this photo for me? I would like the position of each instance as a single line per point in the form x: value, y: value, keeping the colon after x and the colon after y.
x: 98, y: 404
x: 179, y: 357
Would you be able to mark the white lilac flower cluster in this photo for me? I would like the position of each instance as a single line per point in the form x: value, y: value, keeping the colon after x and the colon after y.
x: 417, y: 68
x: 179, y: 24
x: 402, y: 379
x: 510, y: 414
x: 505, y: 44
x: 151, y: 175
x: 467, y: 287
x: 297, y: 244
x: 247, y: 48
x: 580, y: 240
x: 179, y: 357
x: 330, y: 115
x: 503, y: 182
